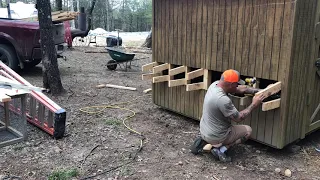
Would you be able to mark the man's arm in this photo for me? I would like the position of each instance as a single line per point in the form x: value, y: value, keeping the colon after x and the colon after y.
x: 243, y: 89
x: 242, y: 115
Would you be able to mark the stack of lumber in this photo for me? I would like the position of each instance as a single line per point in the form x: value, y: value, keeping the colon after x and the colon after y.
x: 58, y: 16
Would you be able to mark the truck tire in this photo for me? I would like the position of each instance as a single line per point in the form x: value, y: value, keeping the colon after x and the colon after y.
x: 9, y: 57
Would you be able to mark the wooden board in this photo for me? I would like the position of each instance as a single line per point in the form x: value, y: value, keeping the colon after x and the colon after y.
x: 226, y: 36
x: 215, y: 35
x: 220, y: 37
x: 194, y: 74
x: 246, y: 37
x: 270, y: 105
x: 149, y: 66
x: 268, y: 43
x: 210, y: 35
x: 270, y: 90
x: 240, y: 35
x: 253, y: 37
x: 233, y: 34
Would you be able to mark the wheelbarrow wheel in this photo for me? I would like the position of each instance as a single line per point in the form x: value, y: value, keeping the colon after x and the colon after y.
x: 111, y: 65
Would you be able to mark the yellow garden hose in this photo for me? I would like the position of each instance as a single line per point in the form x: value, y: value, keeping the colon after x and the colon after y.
x: 101, y: 108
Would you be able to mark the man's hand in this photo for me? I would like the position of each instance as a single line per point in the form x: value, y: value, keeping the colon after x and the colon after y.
x: 240, y: 116
x: 257, y: 100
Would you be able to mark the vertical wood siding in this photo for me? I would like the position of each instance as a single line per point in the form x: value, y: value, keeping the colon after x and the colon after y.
x: 268, y: 39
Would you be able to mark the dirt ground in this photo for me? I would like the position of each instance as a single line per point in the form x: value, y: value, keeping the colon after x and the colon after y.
x: 98, y: 143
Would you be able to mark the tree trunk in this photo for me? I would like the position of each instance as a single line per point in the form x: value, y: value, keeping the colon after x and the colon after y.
x: 148, y: 42
x: 51, y: 74
x: 58, y: 5
x: 1, y: 5
x: 72, y: 9
x: 90, y: 15
x: 78, y: 6
x: 107, y: 14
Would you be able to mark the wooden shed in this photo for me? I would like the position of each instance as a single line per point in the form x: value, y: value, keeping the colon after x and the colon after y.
x: 194, y: 41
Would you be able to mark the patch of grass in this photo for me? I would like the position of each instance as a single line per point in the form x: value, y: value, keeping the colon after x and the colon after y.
x: 64, y: 174
x: 113, y: 122
x: 18, y: 148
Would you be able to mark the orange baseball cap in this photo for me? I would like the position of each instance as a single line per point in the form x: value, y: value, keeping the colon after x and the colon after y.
x: 232, y: 76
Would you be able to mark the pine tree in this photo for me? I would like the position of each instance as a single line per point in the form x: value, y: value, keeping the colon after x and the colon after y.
x: 50, y: 70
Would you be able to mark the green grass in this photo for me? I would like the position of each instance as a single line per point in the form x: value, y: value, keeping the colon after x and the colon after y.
x: 18, y: 148
x: 113, y: 122
x: 64, y: 174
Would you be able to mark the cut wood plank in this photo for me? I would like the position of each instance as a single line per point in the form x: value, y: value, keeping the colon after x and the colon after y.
x: 177, y: 70
x: 314, y: 114
x: 267, y: 106
x: 161, y: 79
x: 147, y: 67
x: 207, y: 79
x: 147, y: 76
x: 147, y: 90
x: 160, y: 68
x: 195, y: 86
x: 270, y: 90
x: 177, y: 82
x: 4, y: 97
x: 195, y: 74
x: 101, y: 86
x: 56, y: 12
x: 120, y: 87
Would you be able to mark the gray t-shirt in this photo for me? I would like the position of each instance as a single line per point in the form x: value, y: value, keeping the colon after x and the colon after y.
x: 217, y: 107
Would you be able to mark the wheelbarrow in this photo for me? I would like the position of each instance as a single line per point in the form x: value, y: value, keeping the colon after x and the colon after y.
x: 119, y: 57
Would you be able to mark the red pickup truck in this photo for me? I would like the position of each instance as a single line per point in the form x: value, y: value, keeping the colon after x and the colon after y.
x: 20, y: 42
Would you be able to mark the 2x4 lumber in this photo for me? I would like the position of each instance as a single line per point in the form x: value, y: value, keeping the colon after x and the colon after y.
x: 267, y: 106
x: 4, y: 98
x: 207, y: 79
x: 177, y: 70
x: 147, y: 67
x: 315, y: 113
x: 147, y: 76
x: 195, y: 74
x: 147, y: 90
x: 160, y: 79
x: 160, y: 68
x: 270, y: 90
x: 120, y: 87
x: 195, y: 86
x: 177, y: 82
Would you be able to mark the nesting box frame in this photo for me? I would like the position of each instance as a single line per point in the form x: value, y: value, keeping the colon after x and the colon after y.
x: 194, y: 41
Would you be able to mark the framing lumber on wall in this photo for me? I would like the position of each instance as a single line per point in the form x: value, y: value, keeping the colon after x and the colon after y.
x: 157, y: 76
x: 267, y: 106
x: 175, y: 71
x: 270, y: 90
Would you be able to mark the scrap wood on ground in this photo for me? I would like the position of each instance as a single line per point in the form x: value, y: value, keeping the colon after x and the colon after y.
x: 116, y: 86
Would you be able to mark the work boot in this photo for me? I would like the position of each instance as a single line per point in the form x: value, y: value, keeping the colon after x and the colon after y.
x: 220, y: 155
x: 197, y: 146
